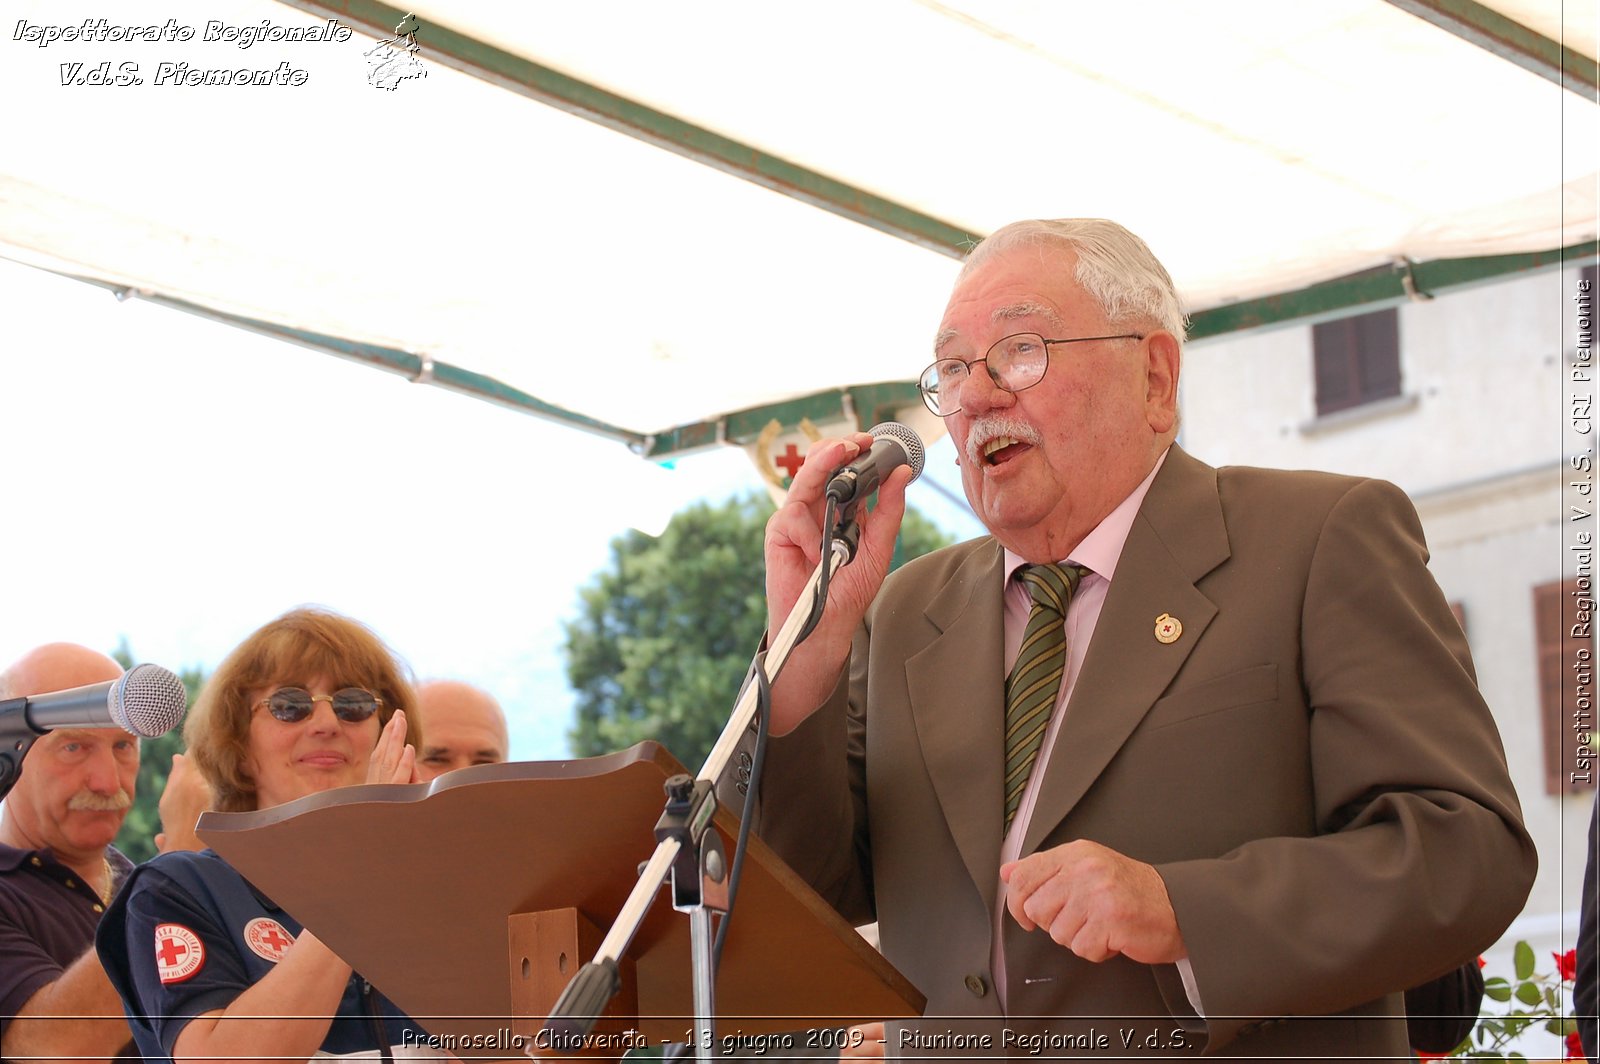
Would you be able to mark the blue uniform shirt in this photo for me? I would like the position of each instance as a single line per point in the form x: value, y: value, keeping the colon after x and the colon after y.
x: 188, y: 934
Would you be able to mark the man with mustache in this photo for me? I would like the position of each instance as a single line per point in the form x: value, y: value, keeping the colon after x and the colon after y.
x: 1177, y: 759
x: 58, y: 870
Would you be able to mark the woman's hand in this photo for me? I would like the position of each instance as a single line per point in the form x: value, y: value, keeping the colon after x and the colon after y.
x: 393, y: 760
x: 185, y: 796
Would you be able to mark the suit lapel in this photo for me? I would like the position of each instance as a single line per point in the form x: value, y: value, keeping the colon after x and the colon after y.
x: 957, y: 686
x: 1177, y: 537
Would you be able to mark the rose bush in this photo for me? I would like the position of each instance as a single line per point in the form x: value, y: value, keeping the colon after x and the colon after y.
x: 1512, y: 1007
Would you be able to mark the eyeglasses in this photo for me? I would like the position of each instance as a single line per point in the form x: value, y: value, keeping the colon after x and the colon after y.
x: 1015, y: 363
x: 294, y: 704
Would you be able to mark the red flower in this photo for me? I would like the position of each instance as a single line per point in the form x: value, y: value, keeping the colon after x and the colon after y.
x: 1567, y: 964
x: 1482, y: 963
x: 1574, y: 1043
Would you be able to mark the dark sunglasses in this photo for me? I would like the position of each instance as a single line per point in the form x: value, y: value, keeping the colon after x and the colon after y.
x: 294, y: 704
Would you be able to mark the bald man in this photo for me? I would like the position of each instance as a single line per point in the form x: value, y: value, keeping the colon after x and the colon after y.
x: 463, y: 725
x: 58, y: 870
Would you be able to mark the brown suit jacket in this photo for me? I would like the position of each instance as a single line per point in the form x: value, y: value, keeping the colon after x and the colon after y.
x: 1310, y: 767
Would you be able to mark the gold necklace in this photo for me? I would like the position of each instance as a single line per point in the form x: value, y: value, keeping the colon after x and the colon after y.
x: 105, y: 892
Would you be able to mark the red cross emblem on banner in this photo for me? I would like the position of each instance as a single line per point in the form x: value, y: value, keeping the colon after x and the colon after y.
x: 179, y: 953
x: 778, y: 462
x: 790, y: 461
x: 267, y: 938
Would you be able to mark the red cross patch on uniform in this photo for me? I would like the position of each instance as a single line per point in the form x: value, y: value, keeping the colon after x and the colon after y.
x: 179, y: 953
x: 267, y: 938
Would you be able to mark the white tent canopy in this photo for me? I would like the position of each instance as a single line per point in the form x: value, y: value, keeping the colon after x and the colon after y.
x: 455, y: 225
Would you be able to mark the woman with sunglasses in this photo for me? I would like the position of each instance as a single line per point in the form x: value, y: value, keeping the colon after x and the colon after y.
x: 207, y: 967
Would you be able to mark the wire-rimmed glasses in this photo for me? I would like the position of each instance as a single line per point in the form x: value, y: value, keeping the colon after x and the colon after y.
x: 1015, y: 363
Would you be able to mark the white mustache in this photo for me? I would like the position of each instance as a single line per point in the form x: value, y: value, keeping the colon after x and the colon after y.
x: 989, y: 426
x: 90, y: 802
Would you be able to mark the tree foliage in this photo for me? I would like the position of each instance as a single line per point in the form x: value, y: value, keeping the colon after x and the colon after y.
x: 137, y: 838
x: 665, y: 633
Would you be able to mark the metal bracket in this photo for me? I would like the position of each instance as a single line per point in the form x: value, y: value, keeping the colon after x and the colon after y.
x: 425, y: 374
x: 1408, y: 281
x: 16, y: 736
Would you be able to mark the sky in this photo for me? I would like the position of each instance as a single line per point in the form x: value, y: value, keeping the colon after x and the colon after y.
x: 177, y: 482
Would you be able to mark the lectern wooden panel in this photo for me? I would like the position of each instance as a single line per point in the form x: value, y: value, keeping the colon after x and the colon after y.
x: 413, y: 885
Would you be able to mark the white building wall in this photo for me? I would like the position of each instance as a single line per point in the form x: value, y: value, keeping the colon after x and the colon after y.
x: 1476, y: 440
x: 1481, y: 381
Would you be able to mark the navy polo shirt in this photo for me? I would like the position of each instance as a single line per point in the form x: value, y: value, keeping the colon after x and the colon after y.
x: 188, y: 934
x: 48, y: 916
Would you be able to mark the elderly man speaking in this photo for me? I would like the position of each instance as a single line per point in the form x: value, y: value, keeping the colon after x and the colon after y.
x: 1177, y: 759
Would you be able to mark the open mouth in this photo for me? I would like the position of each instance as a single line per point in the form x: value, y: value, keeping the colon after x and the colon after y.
x: 1002, y: 449
x: 995, y: 440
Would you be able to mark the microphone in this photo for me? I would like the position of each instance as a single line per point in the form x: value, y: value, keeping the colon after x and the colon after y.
x: 146, y: 700
x: 895, y: 446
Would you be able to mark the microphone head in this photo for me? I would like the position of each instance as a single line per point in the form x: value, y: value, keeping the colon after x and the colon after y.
x: 908, y: 440
x: 147, y: 700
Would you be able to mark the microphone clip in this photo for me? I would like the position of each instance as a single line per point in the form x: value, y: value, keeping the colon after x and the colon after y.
x: 846, y: 535
x: 16, y: 737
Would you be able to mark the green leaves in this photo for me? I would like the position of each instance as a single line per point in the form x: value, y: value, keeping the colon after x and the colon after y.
x: 664, y: 634
x: 1522, y: 960
x: 137, y: 839
x: 1528, y: 1003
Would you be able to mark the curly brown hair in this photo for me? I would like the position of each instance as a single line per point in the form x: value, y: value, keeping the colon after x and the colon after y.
x: 303, y: 643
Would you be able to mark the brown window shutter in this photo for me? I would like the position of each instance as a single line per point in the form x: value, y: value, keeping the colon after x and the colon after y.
x: 1357, y: 360
x: 1562, y: 686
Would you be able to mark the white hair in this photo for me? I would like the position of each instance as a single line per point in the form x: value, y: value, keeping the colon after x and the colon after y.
x: 1115, y: 267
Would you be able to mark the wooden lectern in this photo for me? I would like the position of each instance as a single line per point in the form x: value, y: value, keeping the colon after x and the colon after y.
x: 470, y: 901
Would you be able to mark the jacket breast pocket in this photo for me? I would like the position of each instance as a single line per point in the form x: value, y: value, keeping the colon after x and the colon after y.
x: 1245, y: 687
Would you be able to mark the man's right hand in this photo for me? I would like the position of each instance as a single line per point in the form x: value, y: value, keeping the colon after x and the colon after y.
x: 793, y: 545
x: 864, y: 1043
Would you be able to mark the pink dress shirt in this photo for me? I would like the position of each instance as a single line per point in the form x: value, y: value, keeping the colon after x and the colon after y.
x: 1098, y: 553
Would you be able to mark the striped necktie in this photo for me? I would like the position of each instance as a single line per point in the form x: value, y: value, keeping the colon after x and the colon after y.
x: 1035, y: 679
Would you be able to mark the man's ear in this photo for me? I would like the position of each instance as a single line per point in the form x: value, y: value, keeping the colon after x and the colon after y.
x: 1162, y: 358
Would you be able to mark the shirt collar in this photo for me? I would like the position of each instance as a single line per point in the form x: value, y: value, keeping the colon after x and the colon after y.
x: 1103, y: 545
x: 12, y: 858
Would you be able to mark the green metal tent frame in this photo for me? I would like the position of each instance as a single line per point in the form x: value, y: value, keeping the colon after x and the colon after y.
x: 1369, y: 290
